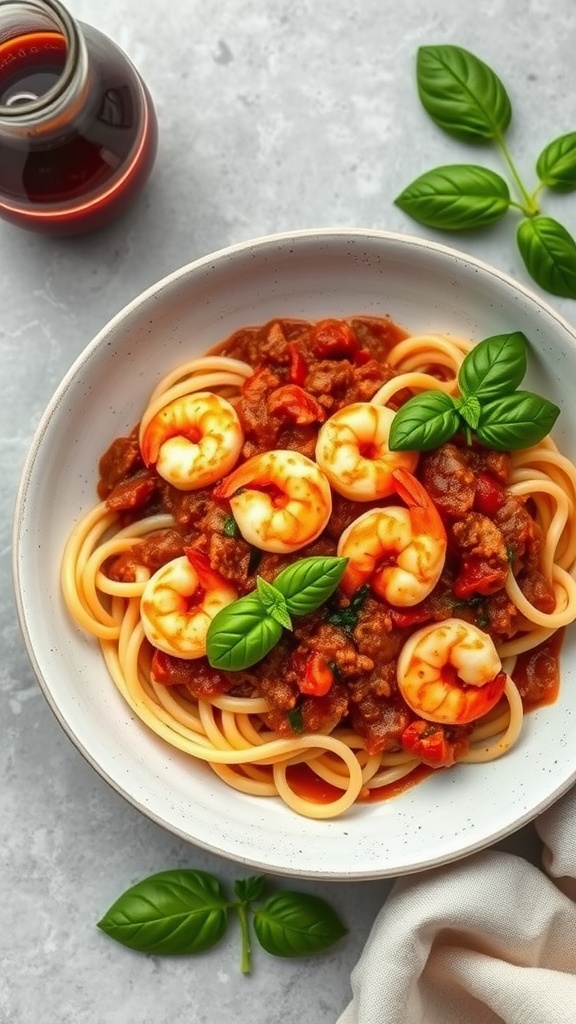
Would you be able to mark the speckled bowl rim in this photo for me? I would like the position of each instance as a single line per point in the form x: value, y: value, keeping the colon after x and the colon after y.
x: 260, y: 834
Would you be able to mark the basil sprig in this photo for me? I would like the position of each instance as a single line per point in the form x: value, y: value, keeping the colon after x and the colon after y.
x: 468, y: 100
x: 185, y: 911
x: 243, y: 632
x: 489, y: 404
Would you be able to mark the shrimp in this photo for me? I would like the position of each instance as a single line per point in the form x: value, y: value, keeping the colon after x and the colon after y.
x: 399, y: 551
x: 280, y: 500
x: 450, y: 672
x: 352, y: 450
x: 193, y: 441
x: 179, y: 602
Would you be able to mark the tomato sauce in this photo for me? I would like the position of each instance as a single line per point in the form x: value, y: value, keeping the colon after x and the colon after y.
x: 537, y: 673
x: 310, y: 786
x: 304, y: 781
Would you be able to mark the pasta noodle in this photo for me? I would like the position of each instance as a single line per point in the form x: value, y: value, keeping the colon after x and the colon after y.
x: 232, y: 733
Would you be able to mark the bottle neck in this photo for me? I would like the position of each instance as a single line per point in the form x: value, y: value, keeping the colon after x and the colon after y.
x: 44, y: 67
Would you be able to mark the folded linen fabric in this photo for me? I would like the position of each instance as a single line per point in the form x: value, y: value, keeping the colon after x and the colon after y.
x: 488, y: 940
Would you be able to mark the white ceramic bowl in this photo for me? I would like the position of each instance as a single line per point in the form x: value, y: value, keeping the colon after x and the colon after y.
x: 309, y: 274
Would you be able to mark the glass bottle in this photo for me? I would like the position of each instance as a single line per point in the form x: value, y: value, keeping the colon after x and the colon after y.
x: 78, y: 131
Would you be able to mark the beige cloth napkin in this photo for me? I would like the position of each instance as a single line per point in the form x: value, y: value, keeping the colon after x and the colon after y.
x: 488, y: 940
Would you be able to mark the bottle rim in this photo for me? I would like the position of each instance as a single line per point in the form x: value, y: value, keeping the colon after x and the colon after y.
x: 24, y: 112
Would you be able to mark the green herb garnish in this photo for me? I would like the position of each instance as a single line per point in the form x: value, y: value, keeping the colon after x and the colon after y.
x: 347, y: 618
x: 230, y: 527
x: 465, y: 98
x: 295, y: 719
x: 184, y: 911
x: 245, y: 631
x: 500, y: 416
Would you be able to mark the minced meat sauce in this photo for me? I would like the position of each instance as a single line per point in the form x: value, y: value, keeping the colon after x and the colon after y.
x: 304, y: 372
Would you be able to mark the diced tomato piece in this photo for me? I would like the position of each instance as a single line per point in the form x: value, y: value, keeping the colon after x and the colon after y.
x: 315, y: 676
x: 489, y: 495
x: 478, y: 576
x: 334, y: 339
x: 293, y: 403
x: 428, y: 742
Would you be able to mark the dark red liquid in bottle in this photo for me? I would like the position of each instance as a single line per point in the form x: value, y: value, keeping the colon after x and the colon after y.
x: 85, y: 171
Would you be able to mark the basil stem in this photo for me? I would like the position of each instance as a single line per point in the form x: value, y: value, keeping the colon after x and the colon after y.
x: 246, y: 947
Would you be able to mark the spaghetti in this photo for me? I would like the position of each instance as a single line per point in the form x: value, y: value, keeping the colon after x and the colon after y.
x: 282, y: 381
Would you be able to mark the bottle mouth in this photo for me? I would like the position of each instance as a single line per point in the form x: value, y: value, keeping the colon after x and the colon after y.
x: 25, y: 20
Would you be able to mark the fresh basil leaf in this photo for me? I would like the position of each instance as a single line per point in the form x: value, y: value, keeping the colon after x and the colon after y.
x: 516, y: 421
x: 556, y: 165
x: 241, y: 634
x: 291, y: 924
x: 274, y: 602
x: 549, y: 253
x: 493, y: 366
x: 248, y: 889
x: 461, y: 93
x: 309, y: 582
x: 424, y: 422
x: 456, y: 197
x: 469, y: 410
x: 170, y: 913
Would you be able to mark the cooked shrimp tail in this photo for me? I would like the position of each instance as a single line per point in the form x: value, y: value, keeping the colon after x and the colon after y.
x: 425, y: 517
